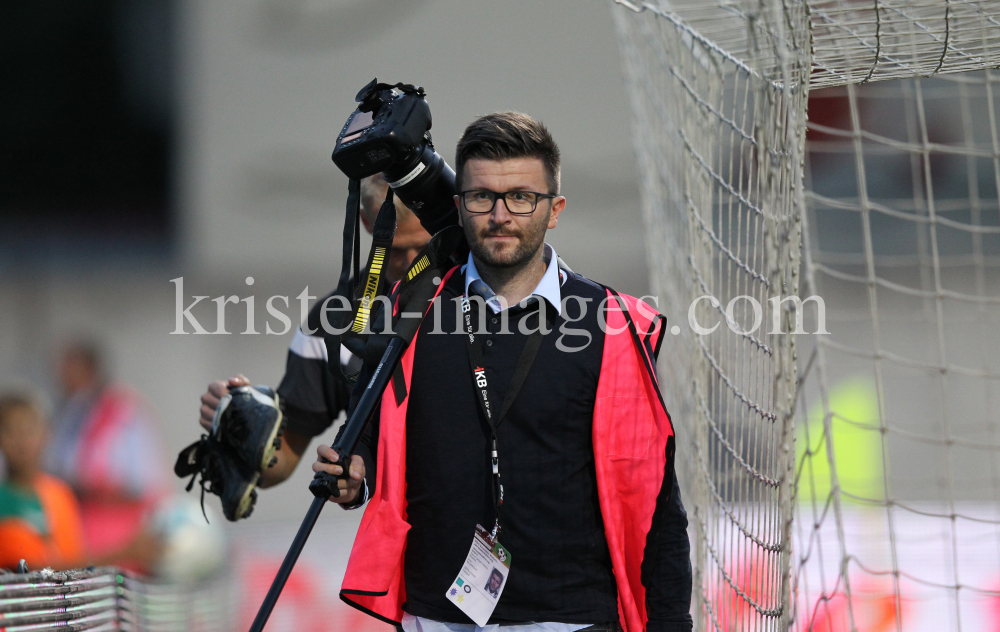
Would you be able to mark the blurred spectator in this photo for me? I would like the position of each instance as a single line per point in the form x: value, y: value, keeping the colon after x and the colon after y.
x: 105, y: 446
x: 39, y: 515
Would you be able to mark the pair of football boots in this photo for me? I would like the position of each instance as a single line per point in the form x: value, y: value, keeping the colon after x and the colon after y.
x: 246, y: 432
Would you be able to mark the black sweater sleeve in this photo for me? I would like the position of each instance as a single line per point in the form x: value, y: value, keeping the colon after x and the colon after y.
x: 666, y: 572
x: 312, y: 394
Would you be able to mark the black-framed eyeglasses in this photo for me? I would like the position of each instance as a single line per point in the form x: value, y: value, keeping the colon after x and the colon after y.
x: 518, y: 202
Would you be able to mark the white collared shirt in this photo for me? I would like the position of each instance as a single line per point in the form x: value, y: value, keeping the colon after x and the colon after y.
x: 549, y: 288
x: 419, y: 624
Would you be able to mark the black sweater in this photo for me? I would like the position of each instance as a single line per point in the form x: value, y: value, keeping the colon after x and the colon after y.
x: 550, y: 520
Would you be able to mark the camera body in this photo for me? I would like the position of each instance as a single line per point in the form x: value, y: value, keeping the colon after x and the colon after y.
x: 389, y: 133
x: 390, y: 122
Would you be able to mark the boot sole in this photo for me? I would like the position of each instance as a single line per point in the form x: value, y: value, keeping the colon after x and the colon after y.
x: 246, y: 501
x: 270, y: 448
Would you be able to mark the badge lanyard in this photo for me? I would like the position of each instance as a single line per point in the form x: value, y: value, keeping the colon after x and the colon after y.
x: 482, y: 389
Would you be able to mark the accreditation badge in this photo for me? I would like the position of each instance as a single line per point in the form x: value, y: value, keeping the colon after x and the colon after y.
x: 478, y: 587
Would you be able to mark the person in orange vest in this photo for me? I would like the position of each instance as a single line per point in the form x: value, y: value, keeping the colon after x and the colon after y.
x: 39, y: 515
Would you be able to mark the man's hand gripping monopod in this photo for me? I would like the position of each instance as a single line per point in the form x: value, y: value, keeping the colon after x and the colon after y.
x: 415, y: 292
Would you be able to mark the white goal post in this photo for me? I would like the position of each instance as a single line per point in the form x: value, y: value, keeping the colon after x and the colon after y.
x: 845, y: 151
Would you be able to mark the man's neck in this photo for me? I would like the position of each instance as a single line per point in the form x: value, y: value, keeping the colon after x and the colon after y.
x: 513, y: 284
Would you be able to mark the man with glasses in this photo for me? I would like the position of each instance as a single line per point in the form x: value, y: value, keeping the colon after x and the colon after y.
x: 539, y: 425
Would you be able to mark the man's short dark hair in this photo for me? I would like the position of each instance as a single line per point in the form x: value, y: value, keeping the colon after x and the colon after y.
x: 10, y: 402
x: 507, y: 135
x: 88, y: 351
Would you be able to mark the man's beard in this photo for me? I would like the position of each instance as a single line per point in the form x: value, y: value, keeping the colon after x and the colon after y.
x: 530, y: 239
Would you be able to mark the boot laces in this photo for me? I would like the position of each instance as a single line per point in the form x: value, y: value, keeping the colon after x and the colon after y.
x: 209, y: 474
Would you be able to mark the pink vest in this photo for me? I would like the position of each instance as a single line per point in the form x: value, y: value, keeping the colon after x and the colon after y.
x: 630, y: 434
x: 108, y: 515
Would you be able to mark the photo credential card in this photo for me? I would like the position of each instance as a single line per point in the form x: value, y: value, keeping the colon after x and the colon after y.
x: 478, y: 587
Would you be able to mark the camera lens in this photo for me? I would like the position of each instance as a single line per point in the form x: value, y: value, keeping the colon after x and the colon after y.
x: 426, y: 184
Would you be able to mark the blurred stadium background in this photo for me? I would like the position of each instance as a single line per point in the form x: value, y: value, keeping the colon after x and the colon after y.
x: 148, y: 140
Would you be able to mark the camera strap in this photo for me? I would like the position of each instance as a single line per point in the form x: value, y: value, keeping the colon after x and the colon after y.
x: 355, y: 324
x: 345, y: 285
x: 383, y: 232
x: 352, y: 237
x: 524, y: 363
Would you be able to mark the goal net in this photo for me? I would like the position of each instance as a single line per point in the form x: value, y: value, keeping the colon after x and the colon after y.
x: 828, y: 166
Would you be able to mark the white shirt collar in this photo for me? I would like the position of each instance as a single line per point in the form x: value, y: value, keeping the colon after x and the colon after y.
x: 548, y: 288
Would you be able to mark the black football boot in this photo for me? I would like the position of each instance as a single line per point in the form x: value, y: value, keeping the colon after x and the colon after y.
x: 223, y: 473
x: 249, y: 421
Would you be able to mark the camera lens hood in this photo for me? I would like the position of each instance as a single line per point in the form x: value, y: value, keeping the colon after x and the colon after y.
x: 426, y: 185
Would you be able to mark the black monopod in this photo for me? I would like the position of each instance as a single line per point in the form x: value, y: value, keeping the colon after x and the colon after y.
x: 419, y: 288
x: 325, y: 485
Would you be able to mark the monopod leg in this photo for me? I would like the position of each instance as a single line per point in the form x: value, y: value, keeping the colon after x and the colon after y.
x: 286, y: 566
x: 324, y: 485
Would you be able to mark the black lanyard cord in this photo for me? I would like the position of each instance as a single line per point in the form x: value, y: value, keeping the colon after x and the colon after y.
x: 528, y: 354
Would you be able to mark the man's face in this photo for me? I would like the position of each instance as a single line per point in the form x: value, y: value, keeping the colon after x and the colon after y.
x: 75, y: 372
x: 410, y: 235
x: 22, y: 439
x: 499, y: 238
x: 495, y: 580
x: 406, y: 245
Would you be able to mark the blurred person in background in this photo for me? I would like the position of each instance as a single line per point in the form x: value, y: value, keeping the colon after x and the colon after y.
x: 39, y: 515
x: 105, y: 445
x: 311, y: 395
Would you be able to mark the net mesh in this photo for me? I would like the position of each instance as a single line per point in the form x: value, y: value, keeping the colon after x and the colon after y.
x: 848, y: 480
